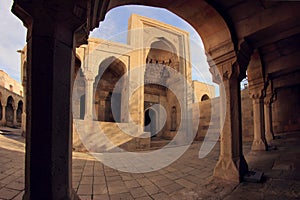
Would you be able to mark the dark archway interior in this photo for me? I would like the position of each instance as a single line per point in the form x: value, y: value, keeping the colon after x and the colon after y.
x: 19, y: 112
x: 204, y: 97
x: 107, y: 92
x: 9, y: 111
x: 150, y: 122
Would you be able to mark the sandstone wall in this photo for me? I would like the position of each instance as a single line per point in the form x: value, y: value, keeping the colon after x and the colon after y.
x: 209, y: 119
x: 285, y: 109
x: 10, y: 84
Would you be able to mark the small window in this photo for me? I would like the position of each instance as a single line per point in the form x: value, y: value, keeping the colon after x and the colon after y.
x: 11, y: 88
x: 204, y: 97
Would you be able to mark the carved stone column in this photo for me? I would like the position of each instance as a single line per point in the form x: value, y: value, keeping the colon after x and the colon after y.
x: 259, y: 141
x: 89, y: 101
x: 23, y: 123
x: 50, y: 66
x: 268, y: 100
x: 232, y: 164
x: 257, y: 88
x: 3, y: 120
x: 15, y: 108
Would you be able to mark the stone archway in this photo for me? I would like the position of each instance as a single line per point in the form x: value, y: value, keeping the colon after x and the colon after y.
x: 107, y: 92
x: 9, y: 111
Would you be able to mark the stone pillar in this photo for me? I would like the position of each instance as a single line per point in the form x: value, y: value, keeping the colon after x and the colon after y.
x: 259, y: 141
x: 15, y: 108
x: 268, y: 119
x: 3, y: 120
x: 23, y: 124
x: 232, y: 164
x: 51, y: 62
x: 89, y: 101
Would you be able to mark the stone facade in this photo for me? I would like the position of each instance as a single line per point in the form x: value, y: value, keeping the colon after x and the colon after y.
x: 158, y: 51
x: 203, y: 91
x: 11, y: 101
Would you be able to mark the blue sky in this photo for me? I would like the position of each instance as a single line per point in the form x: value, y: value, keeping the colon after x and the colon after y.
x: 13, y: 36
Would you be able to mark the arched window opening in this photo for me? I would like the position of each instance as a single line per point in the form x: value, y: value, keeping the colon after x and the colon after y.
x: 204, y: 97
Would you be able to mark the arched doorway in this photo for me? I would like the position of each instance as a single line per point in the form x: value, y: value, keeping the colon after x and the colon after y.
x: 161, y: 62
x: 107, y: 92
x: 19, y: 111
x: 150, y: 122
x: 9, y: 111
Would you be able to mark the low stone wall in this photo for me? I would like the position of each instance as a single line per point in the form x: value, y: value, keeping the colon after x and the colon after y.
x: 210, y: 118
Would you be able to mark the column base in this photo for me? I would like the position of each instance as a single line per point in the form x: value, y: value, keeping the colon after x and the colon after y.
x: 73, y: 196
x: 231, y: 169
x: 259, y: 145
x: 88, y: 117
x: 269, y: 136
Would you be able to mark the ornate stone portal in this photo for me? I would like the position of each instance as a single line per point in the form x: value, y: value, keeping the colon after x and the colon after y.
x: 156, y: 52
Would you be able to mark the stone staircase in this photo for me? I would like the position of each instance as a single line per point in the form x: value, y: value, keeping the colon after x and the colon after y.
x: 98, y: 136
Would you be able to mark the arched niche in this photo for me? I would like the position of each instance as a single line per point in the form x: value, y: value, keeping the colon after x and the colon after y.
x: 107, y: 92
x: 19, y: 111
x: 9, y: 111
x: 162, y: 52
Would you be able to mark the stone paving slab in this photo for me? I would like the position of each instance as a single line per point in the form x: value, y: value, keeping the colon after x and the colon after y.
x: 187, y: 178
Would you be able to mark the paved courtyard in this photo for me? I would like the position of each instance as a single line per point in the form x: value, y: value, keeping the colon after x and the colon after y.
x: 187, y: 178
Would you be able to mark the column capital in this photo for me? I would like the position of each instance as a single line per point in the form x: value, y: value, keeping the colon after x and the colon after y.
x: 225, y: 71
x: 257, y: 88
x: 258, y: 93
x: 268, y: 100
x: 89, y: 76
x: 270, y: 93
x: 54, y: 19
